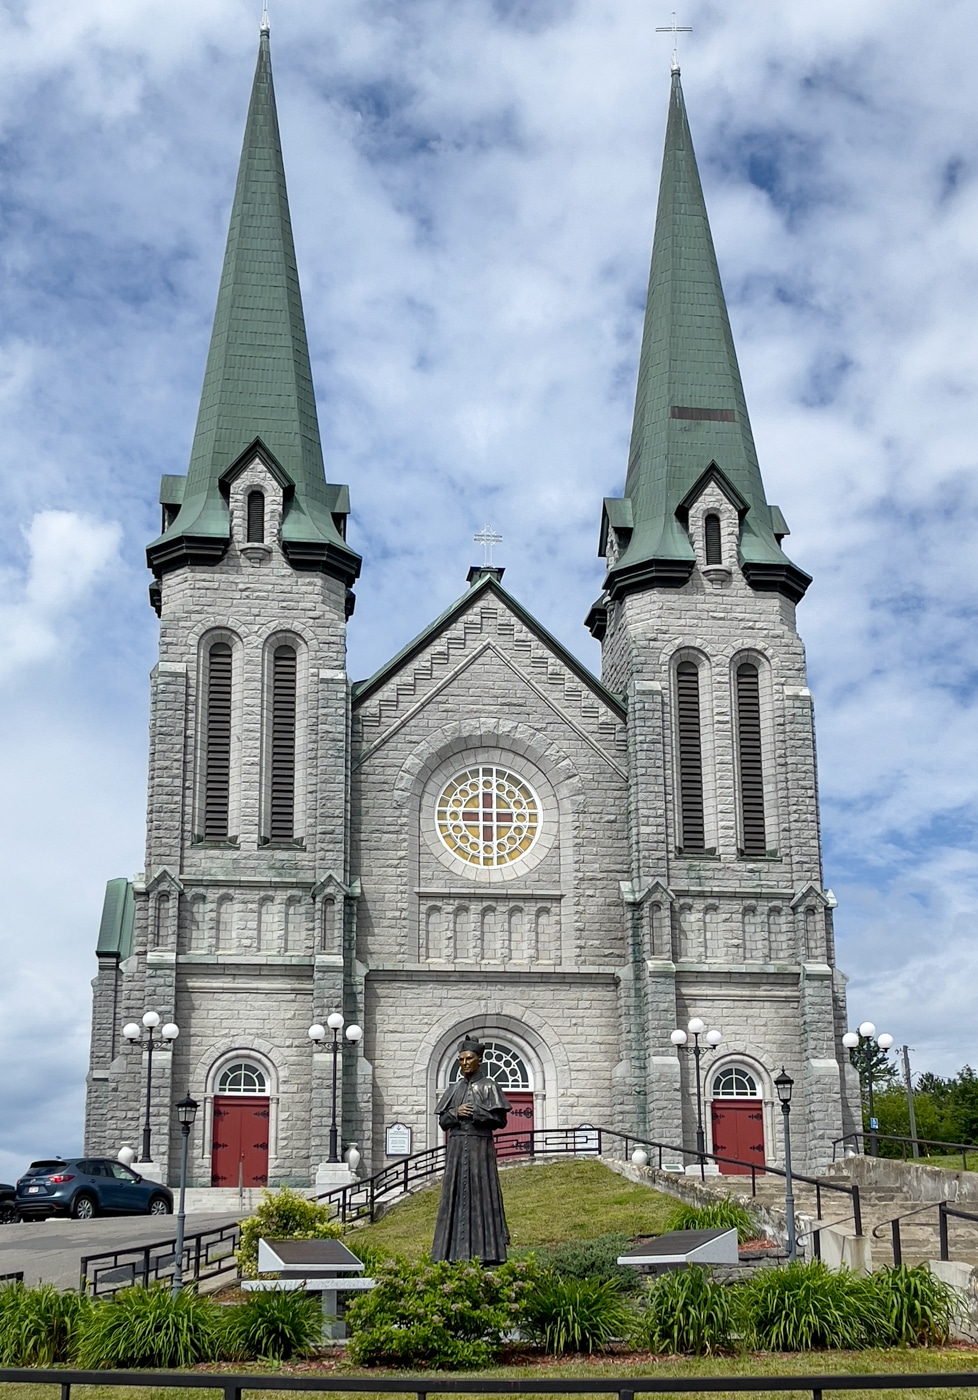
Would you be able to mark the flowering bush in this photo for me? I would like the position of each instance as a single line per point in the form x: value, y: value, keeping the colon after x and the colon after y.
x: 283, y: 1215
x: 444, y: 1316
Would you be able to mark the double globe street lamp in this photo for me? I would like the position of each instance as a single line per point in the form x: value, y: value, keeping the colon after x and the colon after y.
x: 317, y: 1034
x: 132, y: 1033
x: 679, y: 1038
x: 860, y: 1044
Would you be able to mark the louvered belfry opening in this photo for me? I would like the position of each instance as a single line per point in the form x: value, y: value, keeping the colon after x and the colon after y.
x: 690, y: 757
x: 256, y: 517
x: 217, y: 758
x: 281, y: 826
x: 711, y: 531
x: 751, y: 760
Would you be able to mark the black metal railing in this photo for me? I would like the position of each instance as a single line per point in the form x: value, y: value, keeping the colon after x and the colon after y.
x: 362, y: 1199
x: 941, y: 1209
x: 233, y: 1386
x: 860, y: 1136
x: 206, y: 1255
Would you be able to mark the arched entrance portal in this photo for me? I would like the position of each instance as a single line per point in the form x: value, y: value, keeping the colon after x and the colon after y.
x: 738, y: 1120
x: 239, y: 1155
x: 513, y: 1075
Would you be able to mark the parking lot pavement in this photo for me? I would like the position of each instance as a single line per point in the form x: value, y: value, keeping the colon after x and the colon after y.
x: 52, y: 1251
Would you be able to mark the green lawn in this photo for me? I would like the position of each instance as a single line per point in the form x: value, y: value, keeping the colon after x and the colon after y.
x: 548, y: 1204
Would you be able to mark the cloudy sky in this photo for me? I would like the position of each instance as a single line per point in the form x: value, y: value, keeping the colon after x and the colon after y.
x: 473, y: 186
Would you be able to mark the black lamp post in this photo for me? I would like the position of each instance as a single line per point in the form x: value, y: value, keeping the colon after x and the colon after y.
x: 861, y: 1043
x: 679, y: 1038
x: 784, y: 1085
x: 317, y: 1034
x: 132, y: 1032
x: 186, y: 1113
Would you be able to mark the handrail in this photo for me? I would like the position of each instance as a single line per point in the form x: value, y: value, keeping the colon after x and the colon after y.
x: 421, y: 1386
x: 206, y: 1255
x: 861, y: 1133
x: 943, y: 1211
x: 361, y: 1198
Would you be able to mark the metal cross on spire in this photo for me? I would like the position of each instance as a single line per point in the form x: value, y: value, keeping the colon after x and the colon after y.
x: 487, y: 537
x: 265, y: 26
x: 674, y: 29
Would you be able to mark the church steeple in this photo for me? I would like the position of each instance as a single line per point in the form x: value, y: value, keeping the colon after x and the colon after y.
x: 690, y: 412
x: 257, y: 393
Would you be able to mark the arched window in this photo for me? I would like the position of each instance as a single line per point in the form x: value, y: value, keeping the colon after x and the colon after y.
x: 711, y: 532
x: 735, y: 1083
x: 751, y: 765
x: 504, y: 1065
x: 242, y: 1078
x: 256, y: 517
x: 217, y: 749
x: 692, y: 825
x: 281, y: 825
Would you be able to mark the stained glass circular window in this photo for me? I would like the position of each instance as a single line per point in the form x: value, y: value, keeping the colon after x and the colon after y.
x: 487, y: 816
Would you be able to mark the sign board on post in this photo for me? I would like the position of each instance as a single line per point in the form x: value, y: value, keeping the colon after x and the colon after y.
x: 398, y: 1140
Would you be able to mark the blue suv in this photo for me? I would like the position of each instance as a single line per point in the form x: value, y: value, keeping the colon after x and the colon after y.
x: 83, y: 1187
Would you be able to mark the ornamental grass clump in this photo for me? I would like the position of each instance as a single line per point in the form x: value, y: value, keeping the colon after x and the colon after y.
x: 277, y: 1325
x: 595, y: 1259
x: 439, y: 1315
x: 919, y: 1308
x: 804, y: 1307
x: 39, y: 1326
x: 574, y: 1314
x: 716, y: 1215
x: 687, y: 1313
x: 150, y: 1327
x: 282, y: 1215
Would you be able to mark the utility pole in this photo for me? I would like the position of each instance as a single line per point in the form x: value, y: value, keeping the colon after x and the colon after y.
x: 908, y: 1081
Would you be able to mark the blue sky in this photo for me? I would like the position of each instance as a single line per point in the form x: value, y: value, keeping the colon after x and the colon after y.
x: 473, y: 187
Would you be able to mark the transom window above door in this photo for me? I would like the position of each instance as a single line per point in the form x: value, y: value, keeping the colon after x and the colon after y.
x: 503, y: 1064
x: 735, y: 1083
x: 488, y: 816
x: 242, y: 1078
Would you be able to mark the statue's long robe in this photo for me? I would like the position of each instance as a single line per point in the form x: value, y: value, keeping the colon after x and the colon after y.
x: 471, y: 1223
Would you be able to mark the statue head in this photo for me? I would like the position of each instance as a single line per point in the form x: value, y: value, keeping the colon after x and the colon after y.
x: 470, y: 1053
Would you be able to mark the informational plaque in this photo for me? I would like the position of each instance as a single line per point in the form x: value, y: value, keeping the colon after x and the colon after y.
x: 398, y: 1140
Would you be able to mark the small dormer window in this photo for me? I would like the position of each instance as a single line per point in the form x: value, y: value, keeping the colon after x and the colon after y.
x: 711, y: 533
x: 256, y: 517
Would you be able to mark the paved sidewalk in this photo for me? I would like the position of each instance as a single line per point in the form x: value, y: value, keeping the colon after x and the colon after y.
x: 51, y: 1251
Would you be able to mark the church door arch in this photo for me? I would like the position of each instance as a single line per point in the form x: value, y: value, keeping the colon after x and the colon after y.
x: 239, y: 1148
x: 737, y: 1113
x: 514, y: 1076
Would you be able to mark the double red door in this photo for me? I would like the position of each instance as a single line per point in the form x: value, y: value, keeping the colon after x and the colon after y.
x: 240, y: 1147
x: 738, y: 1131
x: 520, y: 1121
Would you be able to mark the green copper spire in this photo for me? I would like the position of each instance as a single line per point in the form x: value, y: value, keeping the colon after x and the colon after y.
x: 258, y: 393
x: 690, y: 412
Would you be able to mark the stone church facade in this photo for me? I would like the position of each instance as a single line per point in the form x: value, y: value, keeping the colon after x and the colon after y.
x: 483, y: 837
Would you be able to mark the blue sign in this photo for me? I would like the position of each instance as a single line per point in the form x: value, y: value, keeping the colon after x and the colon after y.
x: 874, y: 1122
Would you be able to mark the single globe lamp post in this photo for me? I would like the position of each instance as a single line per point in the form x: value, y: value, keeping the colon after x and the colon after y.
x: 784, y: 1085
x: 186, y: 1113
x: 317, y: 1034
x: 132, y: 1032
x: 861, y: 1043
x: 679, y: 1038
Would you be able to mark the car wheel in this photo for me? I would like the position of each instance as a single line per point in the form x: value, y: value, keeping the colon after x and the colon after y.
x: 9, y: 1214
x: 159, y: 1205
x: 83, y: 1207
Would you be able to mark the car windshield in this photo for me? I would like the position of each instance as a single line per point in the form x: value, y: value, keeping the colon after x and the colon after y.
x: 45, y: 1168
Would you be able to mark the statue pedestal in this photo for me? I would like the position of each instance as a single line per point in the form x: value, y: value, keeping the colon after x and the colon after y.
x: 332, y: 1175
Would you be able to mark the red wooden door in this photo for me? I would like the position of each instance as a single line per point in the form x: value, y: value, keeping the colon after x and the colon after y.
x: 240, y: 1149
x: 520, y: 1121
x: 738, y: 1131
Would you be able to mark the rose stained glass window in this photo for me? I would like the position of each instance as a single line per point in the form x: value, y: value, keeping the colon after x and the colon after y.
x: 487, y: 816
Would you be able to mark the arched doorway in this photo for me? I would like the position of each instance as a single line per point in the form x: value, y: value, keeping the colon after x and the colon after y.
x: 514, y: 1076
x: 738, y: 1119
x: 239, y: 1152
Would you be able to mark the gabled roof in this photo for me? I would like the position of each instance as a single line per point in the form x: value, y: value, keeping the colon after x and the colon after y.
x: 487, y: 584
x: 690, y: 409
x: 258, y: 381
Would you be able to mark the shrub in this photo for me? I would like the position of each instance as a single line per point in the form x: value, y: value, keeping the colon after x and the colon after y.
x: 805, y: 1306
x: 595, y: 1259
x: 274, y: 1326
x: 371, y: 1257
x: 150, y: 1327
x: 918, y: 1308
x: 282, y: 1215
x: 687, y: 1312
x: 437, y: 1315
x: 39, y: 1326
x: 574, y: 1314
x: 718, y: 1215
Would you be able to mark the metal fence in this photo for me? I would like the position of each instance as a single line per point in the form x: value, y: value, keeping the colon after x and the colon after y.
x: 206, y: 1255
x: 859, y: 1138
x: 626, y: 1388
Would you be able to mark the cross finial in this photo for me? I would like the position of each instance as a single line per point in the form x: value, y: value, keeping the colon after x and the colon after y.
x: 487, y: 537
x: 265, y: 26
x: 674, y: 29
